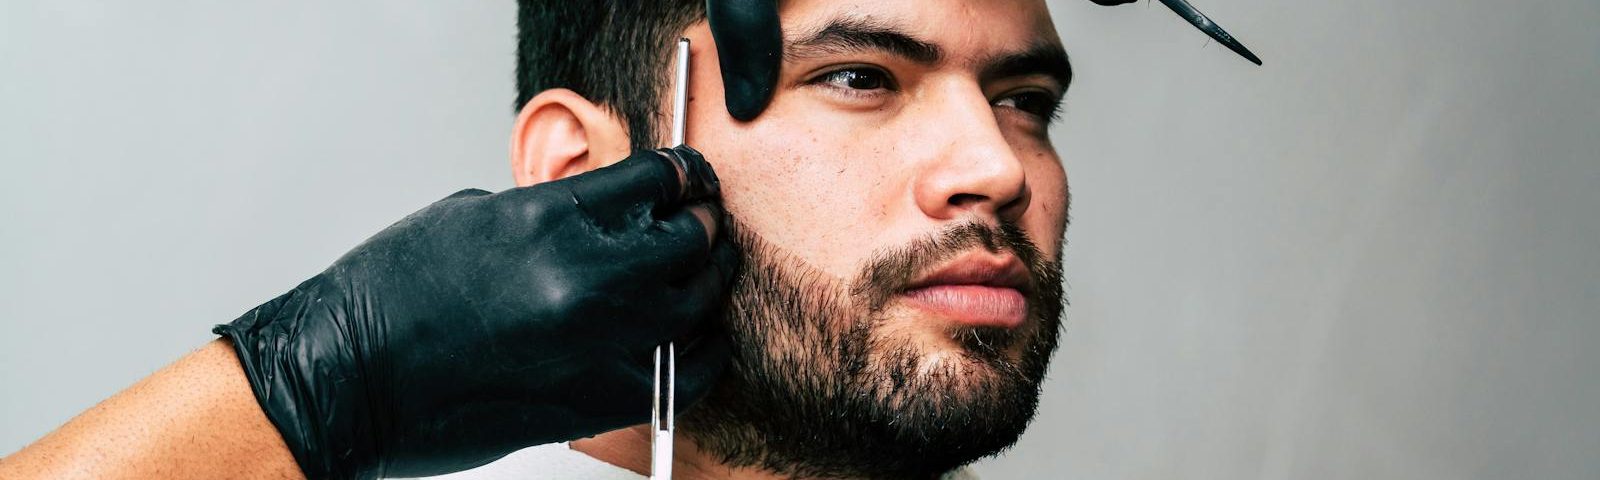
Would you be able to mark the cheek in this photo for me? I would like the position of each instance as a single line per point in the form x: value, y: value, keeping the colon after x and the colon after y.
x: 1046, y: 218
x: 801, y: 189
x: 806, y: 184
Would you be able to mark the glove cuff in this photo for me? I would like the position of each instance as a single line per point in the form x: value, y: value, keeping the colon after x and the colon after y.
x: 308, y: 382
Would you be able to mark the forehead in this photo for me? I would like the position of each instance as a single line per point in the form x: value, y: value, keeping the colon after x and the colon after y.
x: 962, y: 28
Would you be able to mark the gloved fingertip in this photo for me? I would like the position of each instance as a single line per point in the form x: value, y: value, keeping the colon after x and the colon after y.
x: 726, y: 259
x: 749, y: 38
x: 710, y: 215
x: 700, y: 365
x: 697, y: 179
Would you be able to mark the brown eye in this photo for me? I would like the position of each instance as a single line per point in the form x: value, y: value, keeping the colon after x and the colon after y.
x: 856, y: 79
x: 1039, y: 104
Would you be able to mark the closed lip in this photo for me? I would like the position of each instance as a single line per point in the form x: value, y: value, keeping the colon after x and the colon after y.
x: 976, y: 289
x: 981, y: 268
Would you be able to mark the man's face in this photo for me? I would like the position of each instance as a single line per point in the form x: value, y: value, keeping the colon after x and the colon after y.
x: 901, y: 209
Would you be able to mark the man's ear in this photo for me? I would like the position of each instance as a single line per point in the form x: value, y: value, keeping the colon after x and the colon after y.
x: 559, y: 134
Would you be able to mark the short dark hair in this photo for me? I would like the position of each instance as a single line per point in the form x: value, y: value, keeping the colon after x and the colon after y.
x: 613, y: 52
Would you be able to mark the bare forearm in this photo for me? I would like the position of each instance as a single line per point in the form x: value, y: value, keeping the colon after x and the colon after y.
x: 193, y: 419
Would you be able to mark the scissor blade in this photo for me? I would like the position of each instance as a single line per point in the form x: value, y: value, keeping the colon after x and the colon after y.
x: 1188, y: 12
x: 663, y: 404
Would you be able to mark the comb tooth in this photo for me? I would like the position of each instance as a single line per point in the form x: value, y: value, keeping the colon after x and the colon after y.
x: 1188, y: 12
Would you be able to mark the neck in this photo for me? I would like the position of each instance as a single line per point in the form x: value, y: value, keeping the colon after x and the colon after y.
x: 629, y: 448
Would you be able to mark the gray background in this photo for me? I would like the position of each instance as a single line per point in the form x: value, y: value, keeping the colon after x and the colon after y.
x: 1374, y: 258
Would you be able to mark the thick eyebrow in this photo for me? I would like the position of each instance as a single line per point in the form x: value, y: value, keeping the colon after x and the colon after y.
x: 856, y: 34
x: 1044, y: 59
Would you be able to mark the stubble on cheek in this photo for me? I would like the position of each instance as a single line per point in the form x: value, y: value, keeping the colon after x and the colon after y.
x: 823, y: 384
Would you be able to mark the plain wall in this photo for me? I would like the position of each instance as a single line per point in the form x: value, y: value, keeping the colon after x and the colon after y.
x: 1375, y: 257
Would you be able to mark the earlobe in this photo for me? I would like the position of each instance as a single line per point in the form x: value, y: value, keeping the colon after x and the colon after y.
x: 559, y: 134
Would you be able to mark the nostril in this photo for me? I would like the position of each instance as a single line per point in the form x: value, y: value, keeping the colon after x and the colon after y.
x: 965, y: 199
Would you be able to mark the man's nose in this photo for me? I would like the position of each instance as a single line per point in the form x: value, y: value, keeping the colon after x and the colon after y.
x: 973, y: 169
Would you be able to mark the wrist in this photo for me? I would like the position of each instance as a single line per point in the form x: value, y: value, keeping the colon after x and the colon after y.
x: 305, y: 376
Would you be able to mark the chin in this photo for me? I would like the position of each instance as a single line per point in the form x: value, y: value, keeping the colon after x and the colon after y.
x: 949, y: 348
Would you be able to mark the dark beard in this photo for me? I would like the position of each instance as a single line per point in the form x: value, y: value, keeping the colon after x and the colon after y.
x: 816, y: 390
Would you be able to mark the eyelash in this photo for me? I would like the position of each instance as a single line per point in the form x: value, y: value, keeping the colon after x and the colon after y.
x: 848, y: 74
x: 1043, y: 105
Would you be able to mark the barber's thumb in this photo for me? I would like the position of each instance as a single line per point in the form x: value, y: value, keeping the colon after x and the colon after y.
x: 663, y: 178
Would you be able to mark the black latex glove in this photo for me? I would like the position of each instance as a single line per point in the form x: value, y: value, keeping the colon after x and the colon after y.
x: 486, y: 323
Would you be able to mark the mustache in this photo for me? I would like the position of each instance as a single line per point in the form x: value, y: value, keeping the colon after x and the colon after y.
x: 890, y: 271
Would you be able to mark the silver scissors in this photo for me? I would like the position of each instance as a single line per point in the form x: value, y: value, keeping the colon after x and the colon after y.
x: 663, y: 404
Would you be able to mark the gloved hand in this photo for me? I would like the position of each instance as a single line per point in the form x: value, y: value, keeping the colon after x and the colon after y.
x: 486, y: 323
